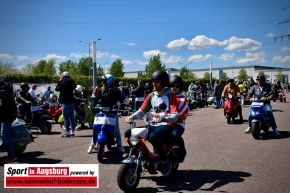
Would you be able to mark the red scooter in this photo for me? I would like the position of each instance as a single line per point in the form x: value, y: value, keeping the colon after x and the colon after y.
x: 230, y: 109
x: 280, y: 96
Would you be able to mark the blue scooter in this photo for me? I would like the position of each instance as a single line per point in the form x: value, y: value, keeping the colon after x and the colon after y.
x: 21, y: 137
x: 104, y: 130
x: 260, y: 122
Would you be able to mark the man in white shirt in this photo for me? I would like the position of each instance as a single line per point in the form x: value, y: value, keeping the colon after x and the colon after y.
x: 31, y: 91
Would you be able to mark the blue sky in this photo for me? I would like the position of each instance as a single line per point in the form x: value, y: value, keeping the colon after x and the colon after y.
x: 197, y: 32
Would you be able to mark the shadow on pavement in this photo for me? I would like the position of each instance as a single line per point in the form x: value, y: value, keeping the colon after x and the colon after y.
x: 34, y: 132
x: 269, y: 135
x: 192, y: 180
x: 114, y: 156
x: 277, y: 110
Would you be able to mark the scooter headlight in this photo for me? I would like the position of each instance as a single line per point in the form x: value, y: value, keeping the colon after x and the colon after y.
x: 134, y: 140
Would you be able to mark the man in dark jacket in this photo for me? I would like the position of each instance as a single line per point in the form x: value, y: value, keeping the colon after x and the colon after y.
x: 66, y: 87
x: 147, y: 89
x: 25, y: 99
x: 8, y: 112
x: 263, y: 89
x: 139, y: 95
x: 217, y: 94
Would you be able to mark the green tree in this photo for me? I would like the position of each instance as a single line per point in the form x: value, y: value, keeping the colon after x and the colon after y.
x: 27, y: 69
x: 280, y: 76
x: 69, y: 66
x: 186, y: 74
x: 44, y: 67
x: 117, y: 68
x: 8, y: 68
x: 262, y: 73
x: 141, y: 74
x: 100, y: 71
x: 206, y: 75
x: 154, y: 65
x: 224, y: 77
x: 242, y: 75
x: 85, y: 66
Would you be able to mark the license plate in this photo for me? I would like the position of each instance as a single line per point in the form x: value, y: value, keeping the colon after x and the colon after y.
x: 35, y: 108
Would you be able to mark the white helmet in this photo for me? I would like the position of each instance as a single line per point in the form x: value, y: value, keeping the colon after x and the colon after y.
x: 65, y: 74
x: 79, y: 88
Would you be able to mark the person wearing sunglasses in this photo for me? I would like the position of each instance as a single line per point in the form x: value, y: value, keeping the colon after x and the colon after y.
x: 176, y: 84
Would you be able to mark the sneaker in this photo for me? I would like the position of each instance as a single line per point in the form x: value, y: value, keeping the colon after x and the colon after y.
x: 248, y: 130
x: 181, y: 156
x: 276, y: 133
x: 166, y: 168
x: 90, y: 149
x: 10, y: 158
x: 121, y: 149
x: 216, y: 108
x: 78, y: 128
x: 72, y: 135
x: 65, y: 135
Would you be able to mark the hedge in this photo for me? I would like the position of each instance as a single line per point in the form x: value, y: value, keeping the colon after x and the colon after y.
x: 85, y: 81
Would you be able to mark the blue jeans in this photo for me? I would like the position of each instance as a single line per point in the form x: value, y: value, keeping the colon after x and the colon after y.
x: 156, y: 136
x: 268, y: 111
x: 68, y: 112
x: 5, y: 134
x: 218, y: 100
x: 176, y: 135
x: 117, y: 133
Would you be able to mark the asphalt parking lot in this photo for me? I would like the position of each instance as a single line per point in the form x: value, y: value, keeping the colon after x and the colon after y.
x: 220, y: 157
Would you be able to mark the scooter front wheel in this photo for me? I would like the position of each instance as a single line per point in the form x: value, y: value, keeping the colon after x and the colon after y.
x: 45, y: 127
x: 126, y: 179
x: 256, y: 130
x: 101, y: 152
x: 228, y: 118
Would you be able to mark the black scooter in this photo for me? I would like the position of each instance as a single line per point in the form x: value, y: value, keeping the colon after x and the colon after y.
x: 38, y: 120
x: 21, y: 137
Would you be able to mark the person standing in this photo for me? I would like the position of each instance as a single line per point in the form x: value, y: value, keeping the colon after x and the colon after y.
x: 217, y: 94
x: 139, y: 95
x: 8, y: 112
x: 147, y: 90
x: 66, y: 87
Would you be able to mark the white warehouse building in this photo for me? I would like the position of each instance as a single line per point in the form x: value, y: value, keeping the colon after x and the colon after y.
x: 252, y: 71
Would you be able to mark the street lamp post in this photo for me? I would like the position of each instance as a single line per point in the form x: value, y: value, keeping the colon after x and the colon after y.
x: 89, y: 55
x: 95, y: 63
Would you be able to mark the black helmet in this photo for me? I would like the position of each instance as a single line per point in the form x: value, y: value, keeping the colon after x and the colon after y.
x: 162, y: 76
x: 177, y: 80
x: 24, y: 85
x: 278, y: 82
x: 260, y: 78
x: 230, y: 80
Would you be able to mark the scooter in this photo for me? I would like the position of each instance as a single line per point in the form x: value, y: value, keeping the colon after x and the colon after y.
x: 280, y: 96
x: 194, y: 100
x: 260, y: 122
x: 38, y: 120
x: 20, y: 135
x: 104, y: 130
x: 230, y: 109
x: 129, y: 173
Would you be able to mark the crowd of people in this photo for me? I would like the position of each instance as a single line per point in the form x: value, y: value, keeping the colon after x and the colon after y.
x: 146, y: 101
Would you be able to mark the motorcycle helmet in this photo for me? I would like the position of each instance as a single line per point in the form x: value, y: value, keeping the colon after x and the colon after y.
x: 278, y: 82
x: 177, y: 80
x: 162, y: 76
x: 65, y: 74
x: 24, y: 85
x: 79, y: 88
x: 110, y: 79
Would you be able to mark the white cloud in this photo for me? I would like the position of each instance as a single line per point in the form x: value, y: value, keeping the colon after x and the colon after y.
x: 102, y: 54
x: 131, y: 44
x: 151, y: 53
x: 78, y: 55
x: 35, y: 62
x: 269, y: 34
x: 141, y: 62
x: 226, y: 57
x: 172, y: 59
x: 239, y: 44
x: 201, y: 41
x: 281, y: 59
x: 20, y: 58
x: 114, y: 56
x: 127, y: 62
x: 55, y: 57
x: 177, y: 44
x: 199, y: 58
x: 6, y: 56
x: 284, y: 49
x: 252, y: 57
